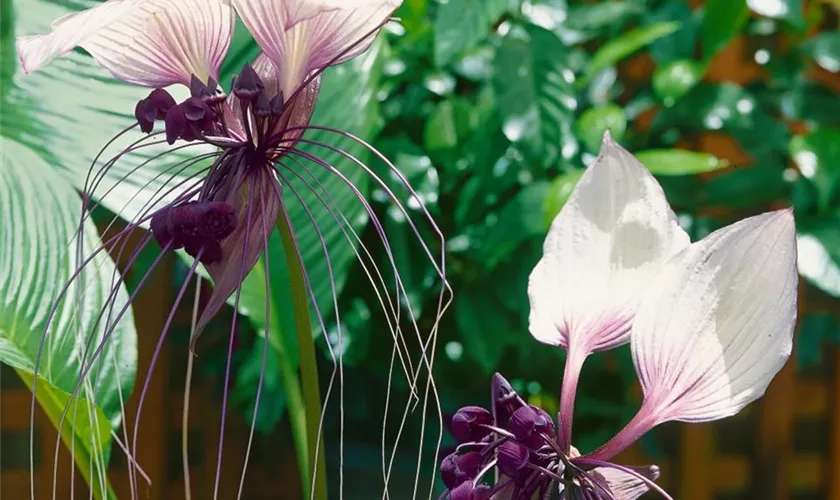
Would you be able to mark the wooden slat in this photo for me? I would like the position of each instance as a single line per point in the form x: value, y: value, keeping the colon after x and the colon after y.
x: 834, y: 460
x: 696, y: 458
x: 774, y: 444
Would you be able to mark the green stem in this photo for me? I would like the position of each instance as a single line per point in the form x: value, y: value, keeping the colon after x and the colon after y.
x: 308, y: 359
x: 294, y: 403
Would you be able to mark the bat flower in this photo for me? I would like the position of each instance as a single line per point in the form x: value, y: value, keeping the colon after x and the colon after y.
x: 709, y: 326
x: 248, y: 134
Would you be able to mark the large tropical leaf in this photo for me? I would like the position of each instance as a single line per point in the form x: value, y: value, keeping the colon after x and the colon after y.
x: 40, y: 214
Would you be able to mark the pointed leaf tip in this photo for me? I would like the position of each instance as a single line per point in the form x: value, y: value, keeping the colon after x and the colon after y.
x: 717, y: 323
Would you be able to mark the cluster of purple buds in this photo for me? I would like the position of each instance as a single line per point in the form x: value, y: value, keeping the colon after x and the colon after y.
x: 197, y: 227
x: 249, y: 88
x: 193, y: 118
x: 519, y: 441
x: 516, y: 438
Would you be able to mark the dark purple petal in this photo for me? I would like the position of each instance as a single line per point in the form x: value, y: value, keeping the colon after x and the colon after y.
x: 466, y: 491
x: 513, y: 457
x: 160, y: 230
x: 162, y: 102
x: 145, y: 114
x: 256, y: 207
x: 468, y: 424
x: 176, y: 123
x: 457, y: 468
x: 195, y: 109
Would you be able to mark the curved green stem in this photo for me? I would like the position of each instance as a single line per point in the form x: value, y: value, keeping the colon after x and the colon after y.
x: 308, y: 360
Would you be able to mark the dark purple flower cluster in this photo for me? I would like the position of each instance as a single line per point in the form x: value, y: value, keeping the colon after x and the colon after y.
x: 513, y: 452
x: 197, y: 227
x: 516, y: 439
x: 190, y: 120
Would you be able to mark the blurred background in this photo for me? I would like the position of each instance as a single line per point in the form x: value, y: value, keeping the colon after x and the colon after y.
x: 492, y: 108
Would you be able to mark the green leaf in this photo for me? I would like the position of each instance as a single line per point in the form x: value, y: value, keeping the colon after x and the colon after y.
x: 825, y: 50
x: 461, y: 24
x: 722, y: 21
x: 679, y: 44
x: 729, y: 108
x: 85, y: 429
x: 558, y: 194
x: 591, y: 18
x: 818, y: 253
x: 625, y: 45
x: 449, y: 124
x: 790, y: 11
x: 672, y: 81
x: 817, y: 155
x: 517, y: 222
x: 534, y: 93
x: 8, y: 57
x: 810, y: 101
x: 595, y: 121
x: 678, y: 161
x: 41, y: 212
x: 79, y: 107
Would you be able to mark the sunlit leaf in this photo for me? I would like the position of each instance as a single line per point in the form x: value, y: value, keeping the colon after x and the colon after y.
x: 817, y: 155
x: 595, y: 121
x: 825, y: 50
x: 461, y: 24
x: 791, y: 11
x: 535, y: 95
x: 675, y: 79
x: 818, y: 247
x: 626, y: 44
x: 558, y: 194
x: 722, y: 20
x: 40, y: 217
x: 678, y: 161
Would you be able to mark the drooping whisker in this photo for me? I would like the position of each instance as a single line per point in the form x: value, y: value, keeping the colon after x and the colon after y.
x: 427, y: 359
x: 159, y: 347
x: 327, y: 200
x: 377, y: 226
x: 265, y: 234
x: 88, y: 363
x: 318, y: 315
x: 178, y: 168
x: 345, y: 225
x: 243, y: 271
x: 339, y: 365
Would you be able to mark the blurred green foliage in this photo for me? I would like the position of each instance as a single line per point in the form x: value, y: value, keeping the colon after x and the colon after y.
x: 493, y: 108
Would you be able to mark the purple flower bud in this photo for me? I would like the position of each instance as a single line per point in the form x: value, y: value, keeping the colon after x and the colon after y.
x: 505, y: 400
x: 455, y: 468
x: 205, y: 250
x: 513, y: 457
x: 217, y: 220
x: 528, y: 423
x: 160, y: 230
x: 468, y: 424
x: 248, y: 84
x: 154, y: 107
x: 466, y: 491
x: 277, y: 105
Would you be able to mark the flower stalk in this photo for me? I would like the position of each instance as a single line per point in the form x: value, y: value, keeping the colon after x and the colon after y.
x: 316, y: 462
